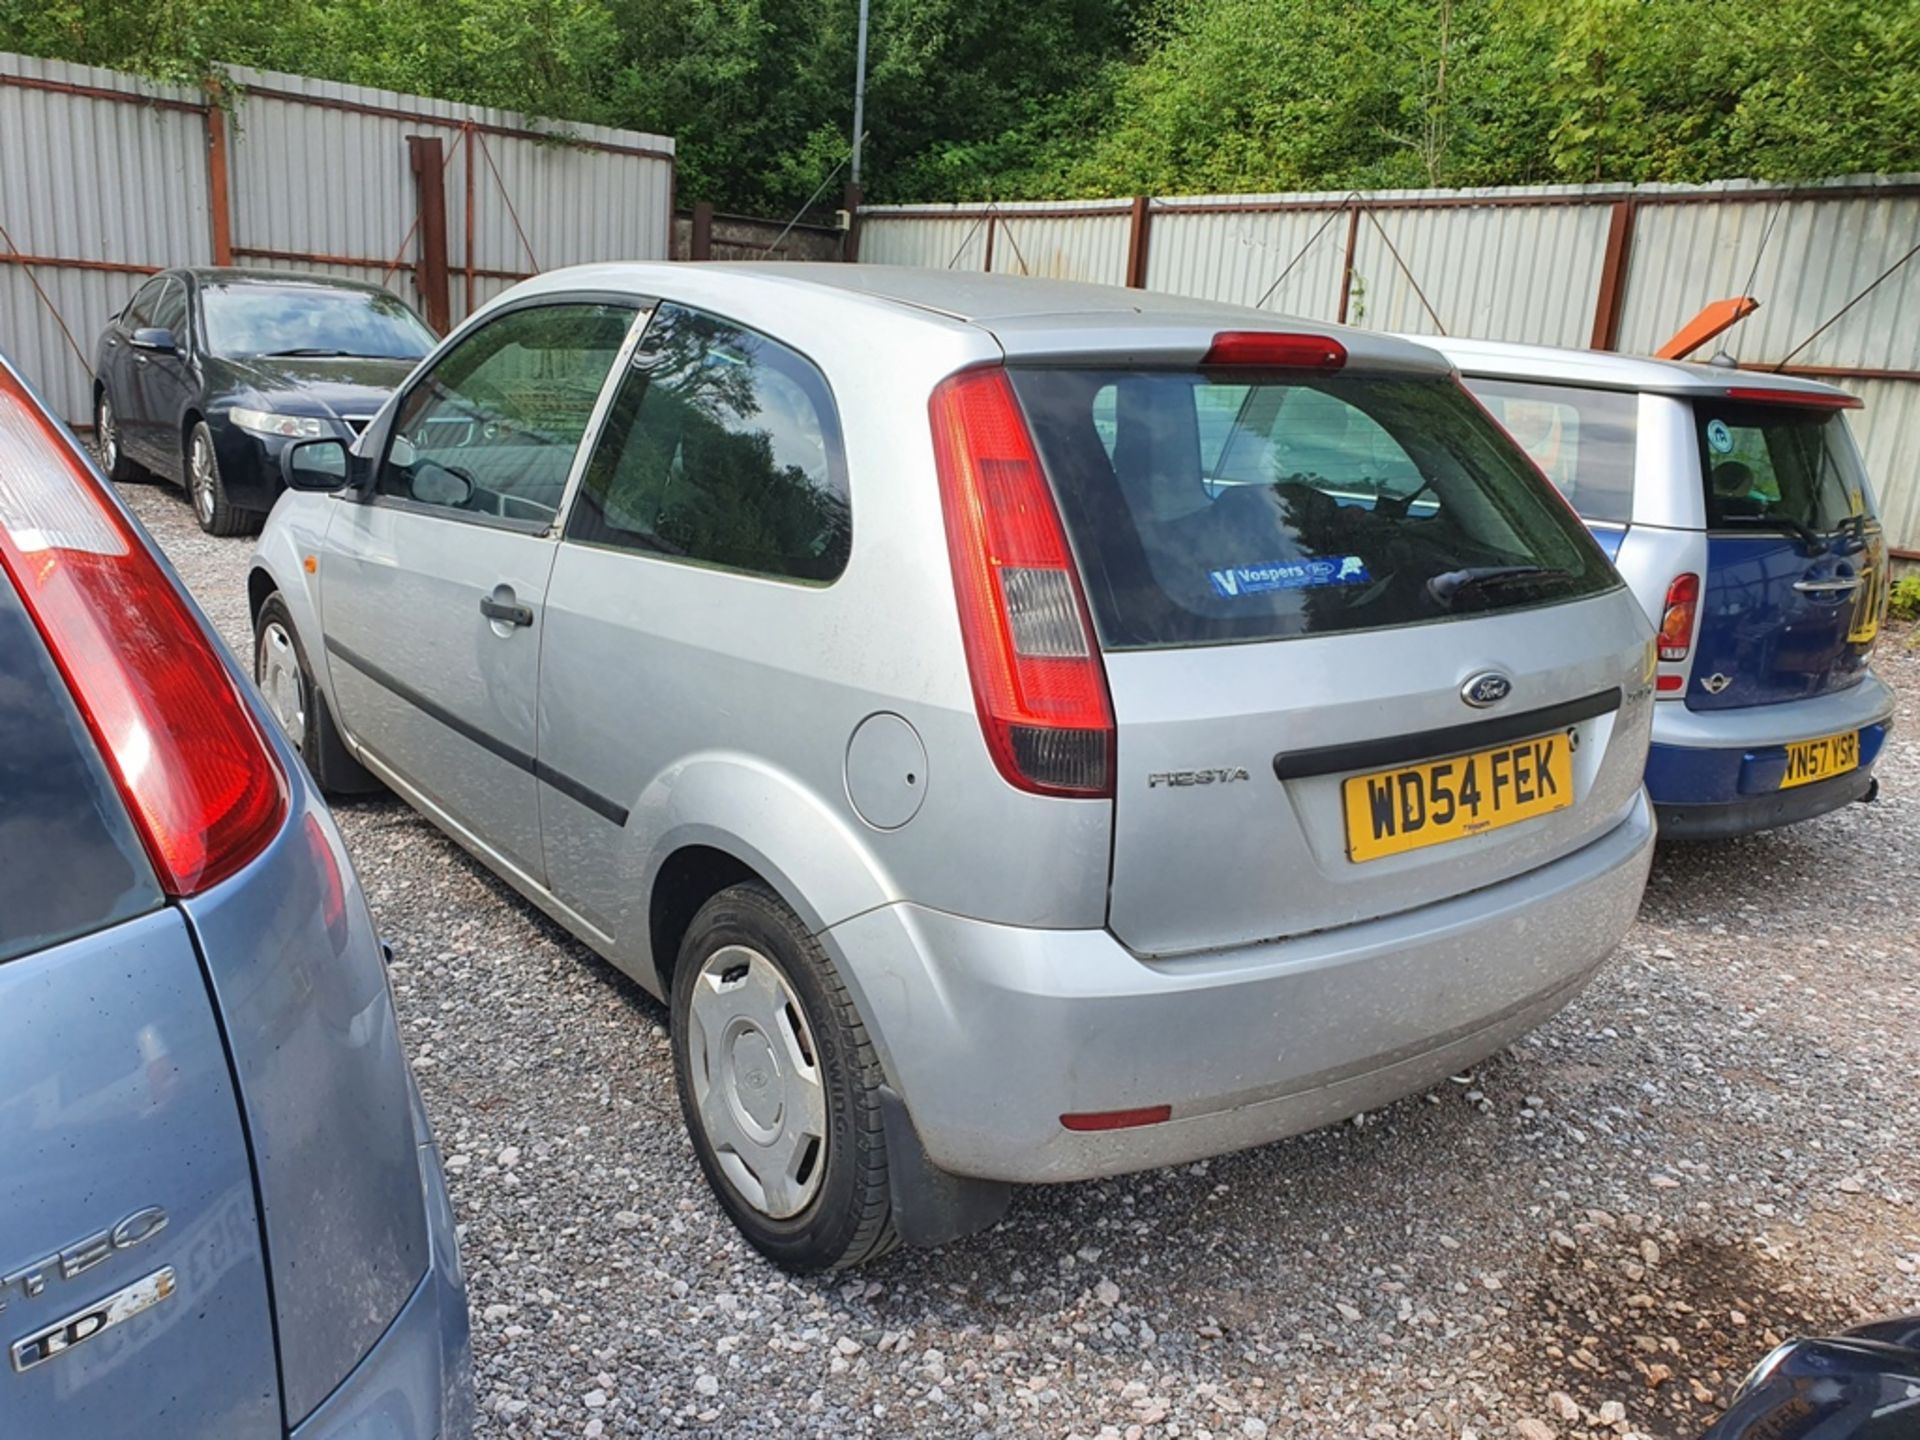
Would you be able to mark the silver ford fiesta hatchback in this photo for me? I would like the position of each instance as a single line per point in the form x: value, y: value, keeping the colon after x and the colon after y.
x: 1026, y: 731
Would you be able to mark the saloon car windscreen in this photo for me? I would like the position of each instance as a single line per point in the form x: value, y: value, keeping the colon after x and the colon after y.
x: 1222, y: 506
x: 311, y: 320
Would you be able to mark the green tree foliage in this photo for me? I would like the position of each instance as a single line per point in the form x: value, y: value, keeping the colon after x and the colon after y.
x: 1010, y: 98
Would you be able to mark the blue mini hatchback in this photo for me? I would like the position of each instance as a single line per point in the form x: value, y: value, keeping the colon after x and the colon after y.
x: 1736, y: 505
x: 221, y: 1210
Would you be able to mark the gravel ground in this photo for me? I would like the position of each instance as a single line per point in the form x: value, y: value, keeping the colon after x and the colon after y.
x: 1593, y: 1235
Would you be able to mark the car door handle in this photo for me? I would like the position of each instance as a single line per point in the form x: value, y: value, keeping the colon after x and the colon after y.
x: 1826, y: 587
x: 507, y: 611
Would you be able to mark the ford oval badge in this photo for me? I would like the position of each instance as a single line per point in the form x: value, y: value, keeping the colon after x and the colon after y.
x: 1489, y: 687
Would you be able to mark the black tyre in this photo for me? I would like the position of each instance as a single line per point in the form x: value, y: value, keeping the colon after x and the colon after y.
x: 285, y: 679
x: 780, y: 1085
x: 106, y: 439
x: 216, y: 513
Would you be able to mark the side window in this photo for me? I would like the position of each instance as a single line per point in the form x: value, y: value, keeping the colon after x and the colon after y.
x: 1582, y: 439
x: 170, y: 310
x: 139, y: 312
x: 722, y: 447
x: 493, y: 428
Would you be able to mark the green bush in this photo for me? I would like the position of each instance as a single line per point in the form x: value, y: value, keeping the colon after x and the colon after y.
x: 1904, y: 603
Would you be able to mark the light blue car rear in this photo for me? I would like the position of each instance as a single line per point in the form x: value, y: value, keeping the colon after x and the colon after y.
x: 222, y: 1212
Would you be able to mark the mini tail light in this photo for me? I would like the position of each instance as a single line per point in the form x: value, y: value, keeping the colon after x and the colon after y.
x: 197, y: 775
x: 1275, y: 351
x: 1676, y: 621
x: 1038, y: 683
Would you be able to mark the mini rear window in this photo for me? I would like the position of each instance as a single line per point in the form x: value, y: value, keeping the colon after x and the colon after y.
x: 1209, y: 507
x: 1583, y: 439
x: 1778, y: 467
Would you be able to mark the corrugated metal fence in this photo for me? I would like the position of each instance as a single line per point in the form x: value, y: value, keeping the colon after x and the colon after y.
x: 105, y: 177
x: 1605, y: 266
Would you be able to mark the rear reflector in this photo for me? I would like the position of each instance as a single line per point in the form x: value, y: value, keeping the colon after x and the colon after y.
x: 1038, y: 683
x: 1118, y: 1119
x: 197, y: 776
x: 1806, y: 399
x: 1276, y: 351
x: 1676, y: 621
x: 1670, y: 684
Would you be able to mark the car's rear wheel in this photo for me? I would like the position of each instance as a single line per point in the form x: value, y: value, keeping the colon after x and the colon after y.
x: 285, y: 680
x: 780, y: 1085
x: 216, y: 513
x: 113, y: 454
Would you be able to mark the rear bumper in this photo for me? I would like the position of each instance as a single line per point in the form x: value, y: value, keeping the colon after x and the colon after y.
x: 1716, y: 773
x: 416, y: 1383
x: 992, y: 1033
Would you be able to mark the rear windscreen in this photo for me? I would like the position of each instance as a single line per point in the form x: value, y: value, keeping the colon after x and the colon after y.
x: 1213, y: 507
x: 1582, y: 439
x: 1778, y: 467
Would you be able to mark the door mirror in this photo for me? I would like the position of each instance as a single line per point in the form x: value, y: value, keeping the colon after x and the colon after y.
x: 314, y: 465
x: 153, y: 337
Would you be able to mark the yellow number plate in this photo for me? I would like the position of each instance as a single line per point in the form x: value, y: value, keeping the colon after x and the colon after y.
x: 1440, y: 800
x: 1811, y: 760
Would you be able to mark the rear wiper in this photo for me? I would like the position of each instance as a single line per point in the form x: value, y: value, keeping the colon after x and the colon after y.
x: 1805, y: 534
x: 316, y: 352
x: 1445, y: 586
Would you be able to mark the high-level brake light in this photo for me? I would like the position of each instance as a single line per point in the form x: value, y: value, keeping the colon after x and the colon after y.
x: 1275, y: 350
x: 1807, y: 399
x: 197, y: 775
x: 1038, y: 683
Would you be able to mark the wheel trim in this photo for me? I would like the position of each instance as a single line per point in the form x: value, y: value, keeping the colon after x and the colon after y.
x: 757, y: 1089
x: 200, y: 477
x: 281, y: 682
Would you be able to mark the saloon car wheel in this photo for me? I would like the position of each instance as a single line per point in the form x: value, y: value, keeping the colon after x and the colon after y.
x: 113, y: 455
x: 780, y: 1085
x: 217, y: 515
x: 285, y: 680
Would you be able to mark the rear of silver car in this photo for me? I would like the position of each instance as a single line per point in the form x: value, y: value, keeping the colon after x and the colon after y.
x: 1369, y: 709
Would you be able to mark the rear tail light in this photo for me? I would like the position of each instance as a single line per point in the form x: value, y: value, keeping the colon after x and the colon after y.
x: 1275, y: 351
x: 1037, y: 678
x: 1675, y: 640
x: 196, y: 774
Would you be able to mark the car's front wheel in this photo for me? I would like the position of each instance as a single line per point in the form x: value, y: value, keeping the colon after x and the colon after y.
x: 281, y: 672
x: 216, y: 513
x: 106, y: 435
x: 780, y: 1085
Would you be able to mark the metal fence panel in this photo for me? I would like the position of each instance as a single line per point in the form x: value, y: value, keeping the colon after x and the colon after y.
x: 68, y: 163
x: 1529, y: 264
x: 105, y: 177
x: 1286, y: 261
x: 1826, y: 245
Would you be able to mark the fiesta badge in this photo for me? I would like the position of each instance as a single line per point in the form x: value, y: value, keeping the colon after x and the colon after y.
x: 1489, y: 687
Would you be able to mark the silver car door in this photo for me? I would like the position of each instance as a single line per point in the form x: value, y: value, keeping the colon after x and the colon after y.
x: 432, y: 596
x: 714, y: 501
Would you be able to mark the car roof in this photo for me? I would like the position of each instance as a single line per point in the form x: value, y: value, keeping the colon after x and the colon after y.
x: 236, y: 275
x: 1606, y: 369
x: 1026, y: 314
